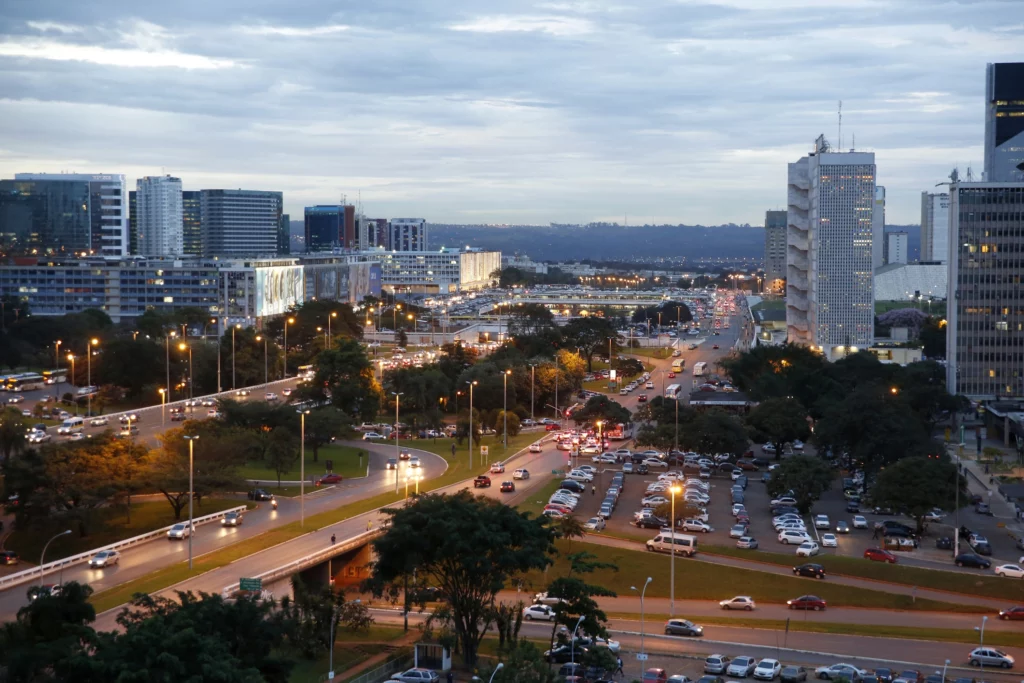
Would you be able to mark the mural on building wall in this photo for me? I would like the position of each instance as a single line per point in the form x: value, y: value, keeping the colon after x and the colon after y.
x: 277, y: 289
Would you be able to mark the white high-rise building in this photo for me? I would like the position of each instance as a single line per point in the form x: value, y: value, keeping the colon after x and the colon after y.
x: 160, y: 217
x: 408, y: 234
x: 896, y: 248
x: 830, y: 302
x: 934, y: 227
x: 878, y: 228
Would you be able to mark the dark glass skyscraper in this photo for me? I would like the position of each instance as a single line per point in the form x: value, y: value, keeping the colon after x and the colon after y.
x: 330, y: 227
x: 1004, y: 123
x: 192, y: 222
x: 45, y: 217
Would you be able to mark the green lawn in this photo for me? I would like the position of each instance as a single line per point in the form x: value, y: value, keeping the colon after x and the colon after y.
x: 109, y: 527
x: 706, y: 581
x: 660, y: 352
x: 458, y: 470
x: 350, y: 649
x: 347, y: 463
x: 974, y: 583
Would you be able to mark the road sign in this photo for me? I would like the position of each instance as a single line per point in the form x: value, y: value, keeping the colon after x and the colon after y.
x: 641, y: 656
x: 483, y: 450
x: 250, y: 584
x: 329, y: 464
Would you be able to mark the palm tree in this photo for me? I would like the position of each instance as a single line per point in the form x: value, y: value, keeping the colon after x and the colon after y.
x: 570, y: 527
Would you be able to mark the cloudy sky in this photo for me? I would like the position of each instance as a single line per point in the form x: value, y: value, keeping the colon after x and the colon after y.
x: 502, y: 111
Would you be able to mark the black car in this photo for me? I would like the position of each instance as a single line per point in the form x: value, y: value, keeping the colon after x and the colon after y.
x: 944, y: 543
x: 564, y: 653
x: 778, y: 510
x: 259, y: 494
x: 935, y: 678
x: 428, y: 594
x: 982, y: 549
x: 793, y: 674
x: 8, y: 557
x: 651, y: 522
x: 853, y: 506
x: 884, y: 674
x: 761, y: 462
x: 572, y: 485
x: 971, y: 560
x: 574, y: 669
x: 811, y: 569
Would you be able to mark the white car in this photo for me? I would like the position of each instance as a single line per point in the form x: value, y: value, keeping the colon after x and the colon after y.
x: 1013, y: 571
x: 737, y: 508
x: 99, y: 422
x: 539, y: 612
x: 829, y: 541
x: 535, y: 448
x: 822, y: 522
x: 179, y: 531
x: 373, y: 436
x: 741, y: 667
x: 860, y: 522
x: 935, y: 515
x: 738, y: 531
x: 744, y: 602
x: 521, y: 474
x: 847, y: 671
x: 270, y: 396
x: 792, y: 536
x: 784, y: 500
x: 655, y: 462
x: 697, y: 525
x: 767, y: 669
x: 606, y: 458
x: 798, y: 445
x: 104, y: 558
x: 807, y: 549
x: 414, y: 462
x: 594, y: 524
x: 653, y: 501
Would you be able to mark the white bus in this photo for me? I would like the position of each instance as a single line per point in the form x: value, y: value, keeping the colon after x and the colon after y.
x: 698, y: 368
x: 672, y: 391
x: 25, y: 382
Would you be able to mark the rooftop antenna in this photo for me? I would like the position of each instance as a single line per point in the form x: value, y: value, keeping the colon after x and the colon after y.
x: 840, y: 141
x: 970, y: 175
x: 854, y: 146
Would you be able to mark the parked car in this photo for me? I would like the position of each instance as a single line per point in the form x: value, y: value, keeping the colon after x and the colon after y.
x: 860, y: 522
x: 1013, y: 571
x: 538, y: 612
x: 682, y: 627
x: 807, y: 549
x: 971, y: 560
x: 793, y: 674
x: 747, y: 543
x: 767, y: 669
x: 837, y: 671
x: 743, y: 602
x: 594, y: 524
x: 716, y: 664
x: 741, y: 667
x: 811, y: 602
x: 417, y: 675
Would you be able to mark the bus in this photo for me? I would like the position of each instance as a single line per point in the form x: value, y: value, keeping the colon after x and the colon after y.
x: 55, y: 376
x: 306, y: 372
x: 672, y: 391
x: 678, y: 365
x: 25, y: 382
x: 3, y: 381
x: 698, y: 368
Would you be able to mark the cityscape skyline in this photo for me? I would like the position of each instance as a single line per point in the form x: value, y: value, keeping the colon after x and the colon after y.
x: 476, y: 141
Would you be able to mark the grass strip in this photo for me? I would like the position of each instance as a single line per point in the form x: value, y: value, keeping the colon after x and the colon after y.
x: 956, y: 582
x: 346, y: 459
x: 536, y: 500
x: 948, y: 635
x: 707, y: 581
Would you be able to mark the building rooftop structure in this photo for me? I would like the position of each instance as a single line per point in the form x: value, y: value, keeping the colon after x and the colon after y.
x: 907, y: 281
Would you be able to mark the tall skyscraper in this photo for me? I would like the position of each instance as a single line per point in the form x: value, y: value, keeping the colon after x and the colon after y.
x: 330, y: 226
x: 878, y: 228
x: 1004, y: 123
x: 830, y: 279
x: 985, y: 317
x: 240, y: 223
x: 284, y: 235
x: 896, y: 248
x: 383, y: 234
x: 934, y: 226
x: 159, y: 216
x: 408, y: 234
x: 133, y: 222
x: 54, y: 213
x: 192, y: 222
x: 774, y: 250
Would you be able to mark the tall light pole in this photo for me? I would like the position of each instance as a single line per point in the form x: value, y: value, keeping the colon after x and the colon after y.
x: 71, y: 358
x: 56, y: 354
x: 218, y: 354
x: 504, y: 408
x: 302, y: 467
x: 263, y: 338
x: 167, y: 361
x: 330, y: 337
x: 287, y: 322
x: 163, y: 406
x: 981, y: 642
x: 675, y: 489
x: 572, y: 643
x: 92, y: 343
x: 398, y: 453
x: 471, y: 385
x: 42, y: 557
x: 677, y: 427
x: 533, y: 377
x: 191, y: 494
x: 236, y: 326
x: 558, y: 413
x: 649, y: 579
x: 183, y: 347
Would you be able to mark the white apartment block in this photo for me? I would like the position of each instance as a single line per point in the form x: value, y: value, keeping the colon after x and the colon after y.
x: 159, y: 216
x: 896, y: 248
x: 934, y: 227
x: 447, y: 271
x: 408, y: 234
x: 830, y: 240
x: 878, y: 228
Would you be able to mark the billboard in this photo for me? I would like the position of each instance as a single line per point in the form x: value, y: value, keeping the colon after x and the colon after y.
x: 277, y: 289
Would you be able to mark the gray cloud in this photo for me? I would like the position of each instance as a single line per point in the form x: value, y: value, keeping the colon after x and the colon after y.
x: 509, y: 111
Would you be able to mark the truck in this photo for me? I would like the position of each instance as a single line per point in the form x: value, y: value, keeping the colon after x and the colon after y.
x: 698, y: 368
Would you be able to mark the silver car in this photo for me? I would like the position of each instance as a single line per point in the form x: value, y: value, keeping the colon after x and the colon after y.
x: 716, y: 664
x: 989, y: 656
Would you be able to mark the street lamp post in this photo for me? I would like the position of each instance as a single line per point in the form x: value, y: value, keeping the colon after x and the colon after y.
x: 572, y: 643
x: 219, y: 389
x: 163, y: 406
x: 263, y: 338
x: 182, y: 347
x: 677, y: 424
x: 236, y: 326
x: 71, y: 358
x: 302, y: 467
x: 504, y: 407
x: 167, y: 360
x: 42, y: 557
x: 649, y: 579
x: 191, y: 495
x: 672, y: 563
x: 471, y: 385
x: 287, y: 322
x: 92, y: 343
x: 981, y: 642
x: 501, y: 665
x: 56, y: 360
x: 398, y: 453
x: 533, y: 377
x: 330, y: 336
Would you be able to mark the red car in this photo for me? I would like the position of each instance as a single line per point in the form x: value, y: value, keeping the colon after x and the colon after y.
x: 879, y: 555
x: 1012, y: 613
x: 655, y: 676
x: 671, y: 375
x: 481, y: 482
x: 811, y: 602
x: 714, y: 346
x: 508, y: 487
x: 330, y: 478
x: 642, y: 398
x: 550, y: 428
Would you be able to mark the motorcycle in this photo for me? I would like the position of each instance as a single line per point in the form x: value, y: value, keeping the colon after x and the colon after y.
x: 273, y: 503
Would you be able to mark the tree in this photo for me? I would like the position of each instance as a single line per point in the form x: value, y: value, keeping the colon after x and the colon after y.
x: 530, y: 320
x: 602, y: 408
x: 347, y: 372
x: 590, y: 335
x: 323, y: 425
x: 314, y: 613
x: 401, y: 338
x: 933, y: 338
x: 916, y: 485
x: 778, y: 421
x: 577, y: 597
x: 282, y: 452
x: 507, y: 420
x: 524, y: 664
x: 806, y: 476
x: 469, y: 546
x: 13, y: 428
x: 218, y: 454
x: 714, y: 431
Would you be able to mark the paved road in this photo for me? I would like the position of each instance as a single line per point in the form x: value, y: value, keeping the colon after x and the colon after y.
x: 141, y: 560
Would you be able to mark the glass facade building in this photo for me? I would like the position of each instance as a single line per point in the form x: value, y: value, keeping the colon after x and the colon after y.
x: 45, y: 217
x: 192, y: 222
x: 1004, y: 123
x: 240, y: 223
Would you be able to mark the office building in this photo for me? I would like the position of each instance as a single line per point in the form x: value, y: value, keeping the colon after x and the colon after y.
x: 284, y: 235
x: 774, y: 250
x: 133, y: 222
x: 240, y: 223
x: 158, y: 215
x: 408, y: 234
x: 383, y: 234
x: 934, y: 227
x: 896, y: 248
x: 192, y: 222
x: 446, y: 271
x: 878, y: 229
x: 985, y: 317
x: 1004, y: 123
x: 64, y: 213
x: 240, y: 291
x: 829, y: 274
x: 329, y: 227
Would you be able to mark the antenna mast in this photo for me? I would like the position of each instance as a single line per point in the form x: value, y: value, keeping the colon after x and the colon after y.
x: 840, y: 125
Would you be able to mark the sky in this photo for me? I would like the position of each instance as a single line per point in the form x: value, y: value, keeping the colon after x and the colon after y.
x: 502, y: 111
